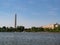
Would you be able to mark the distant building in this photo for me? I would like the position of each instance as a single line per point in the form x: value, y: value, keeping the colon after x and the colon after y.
x: 51, y: 26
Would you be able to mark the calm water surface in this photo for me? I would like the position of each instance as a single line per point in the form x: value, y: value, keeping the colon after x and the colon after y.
x: 29, y: 38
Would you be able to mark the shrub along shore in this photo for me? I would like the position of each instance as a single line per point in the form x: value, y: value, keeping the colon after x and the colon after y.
x: 32, y: 29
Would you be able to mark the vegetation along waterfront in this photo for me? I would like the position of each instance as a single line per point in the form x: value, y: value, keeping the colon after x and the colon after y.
x: 32, y: 29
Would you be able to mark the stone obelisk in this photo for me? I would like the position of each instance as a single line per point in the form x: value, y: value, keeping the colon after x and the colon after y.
x: 15, y: 20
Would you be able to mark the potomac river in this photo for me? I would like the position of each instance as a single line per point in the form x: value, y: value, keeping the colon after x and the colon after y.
x: 29, y: 38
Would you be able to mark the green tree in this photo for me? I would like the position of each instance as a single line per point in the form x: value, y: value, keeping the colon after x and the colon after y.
x: 3, y: 29
x: 11, y: 29
x: 33, y: 29
x: 41, y: 29
x: 20, y: 28
x: 0, y: 29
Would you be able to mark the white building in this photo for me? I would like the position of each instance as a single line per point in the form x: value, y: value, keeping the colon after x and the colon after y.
x: 51, y: 26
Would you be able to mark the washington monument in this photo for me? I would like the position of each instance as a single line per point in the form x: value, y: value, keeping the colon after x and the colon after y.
x: 15, y: 20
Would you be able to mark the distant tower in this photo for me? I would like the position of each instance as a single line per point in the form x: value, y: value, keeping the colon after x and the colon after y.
x: 15, y: 20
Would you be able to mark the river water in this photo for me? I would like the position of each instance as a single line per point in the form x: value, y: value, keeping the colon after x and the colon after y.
x: 29, y: 38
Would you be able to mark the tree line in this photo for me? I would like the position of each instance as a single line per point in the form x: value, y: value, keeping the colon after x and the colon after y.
x: 32, y: 29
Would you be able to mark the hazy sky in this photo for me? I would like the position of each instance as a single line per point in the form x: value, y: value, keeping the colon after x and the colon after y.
x: 29, y: 12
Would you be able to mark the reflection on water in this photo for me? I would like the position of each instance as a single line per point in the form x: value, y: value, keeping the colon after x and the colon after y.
x: 29, y: 38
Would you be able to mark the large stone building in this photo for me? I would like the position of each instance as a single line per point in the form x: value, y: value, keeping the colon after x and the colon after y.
x: 51, y: 26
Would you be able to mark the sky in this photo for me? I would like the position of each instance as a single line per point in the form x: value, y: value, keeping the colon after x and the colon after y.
x: 29, y: 12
